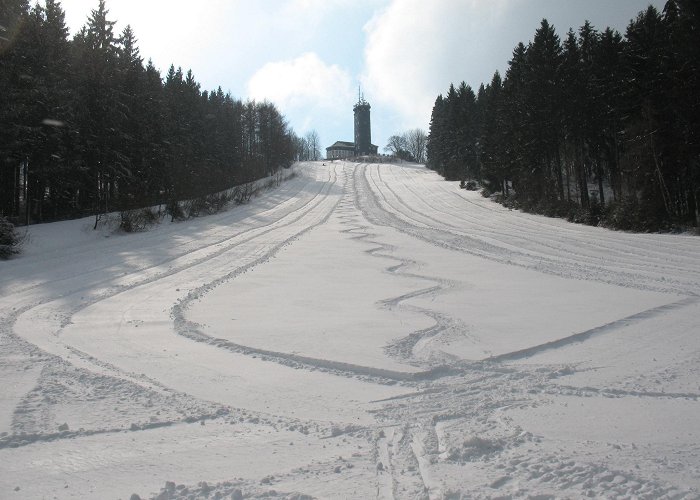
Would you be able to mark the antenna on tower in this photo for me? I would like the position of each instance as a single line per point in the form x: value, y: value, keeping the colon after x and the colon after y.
x: 360, y: 97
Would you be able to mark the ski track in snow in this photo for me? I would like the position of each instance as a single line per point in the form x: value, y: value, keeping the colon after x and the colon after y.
x: 645, y: 267
x: 446, y: 426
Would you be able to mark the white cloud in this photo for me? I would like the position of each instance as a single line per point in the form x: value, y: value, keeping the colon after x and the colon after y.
x: 415, y: 49
x: 304, y: 82
x: 310, y: 6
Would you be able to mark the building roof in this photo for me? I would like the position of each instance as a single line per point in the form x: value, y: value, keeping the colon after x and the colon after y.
x: 342, y: 145
x: 345, y: 144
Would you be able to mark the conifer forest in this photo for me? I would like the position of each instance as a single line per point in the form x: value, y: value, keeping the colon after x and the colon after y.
x: 596, y: 127
x: 89, y: 128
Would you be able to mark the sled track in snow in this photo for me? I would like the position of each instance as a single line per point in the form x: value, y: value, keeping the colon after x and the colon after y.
x: 162, y: 237
x: 456, y: 417
x: 637, y: 270
x: 598, y: 330
x: 570, y: 238
x: 159, y: 271
x: 458, y: 214
x: 402, y: 348
x: 85, y: 295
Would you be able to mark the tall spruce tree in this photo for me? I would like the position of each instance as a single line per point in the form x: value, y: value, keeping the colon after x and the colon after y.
x: 646, y: 96
x: 437, y: 136
x: 575, y: 99
x: 608, y: 90
x: 544, y: 103
x: 493, y: 137
x: 55, y: 189
x: 14, y: 44
x: 518, y: 152
x: 101, y: 114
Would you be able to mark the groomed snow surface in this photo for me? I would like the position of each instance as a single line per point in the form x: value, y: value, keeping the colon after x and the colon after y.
x: 362, y: 331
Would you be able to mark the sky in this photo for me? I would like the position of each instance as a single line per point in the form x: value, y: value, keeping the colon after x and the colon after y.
x: 309, y: 57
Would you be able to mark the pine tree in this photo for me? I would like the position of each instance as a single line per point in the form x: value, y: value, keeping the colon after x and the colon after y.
x: 175, y: 130
x: 466, y: 123
x: 544, y: 102
x: 608, y: 90
x: 105, y: 166
x: 643, y: 56
x: 53, y: 183
x: 139, y: 91
x: 517, y: 150
x: 435, y: 149
x: 151, y: 162
x: 574, y: 90
x: 682, y: 111
x: 493, y: 137
x: 14, y: 15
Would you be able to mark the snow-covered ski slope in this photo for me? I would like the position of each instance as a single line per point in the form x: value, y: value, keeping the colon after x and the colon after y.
x: 363, y: 331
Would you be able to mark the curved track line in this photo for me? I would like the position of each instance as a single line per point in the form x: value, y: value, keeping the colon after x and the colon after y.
x: 62, y: 318
x: 375, y: 209
x: 599, y: 330
x: 584, y: 242
x: 554, y: 244
x: 162, y: 238
x: 191, y: 330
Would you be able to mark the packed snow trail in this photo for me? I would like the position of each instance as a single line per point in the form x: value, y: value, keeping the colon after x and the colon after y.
x: 361, y: 331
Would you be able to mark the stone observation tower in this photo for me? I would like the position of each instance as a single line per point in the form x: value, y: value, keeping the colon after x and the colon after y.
x: 363, y: 135
x: 363, y: 129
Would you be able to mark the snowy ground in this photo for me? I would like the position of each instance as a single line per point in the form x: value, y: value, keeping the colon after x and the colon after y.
x: 363, y: 331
